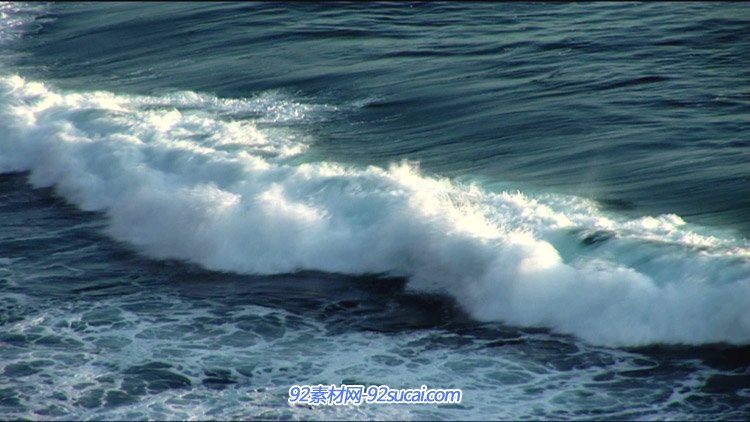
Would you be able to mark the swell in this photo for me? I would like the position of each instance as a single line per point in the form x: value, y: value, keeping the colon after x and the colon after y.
x: 199, y: 178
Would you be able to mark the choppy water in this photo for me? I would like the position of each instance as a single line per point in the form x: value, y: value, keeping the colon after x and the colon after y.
x: 546, y: 205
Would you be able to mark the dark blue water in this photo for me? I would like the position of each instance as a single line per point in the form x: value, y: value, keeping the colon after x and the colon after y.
x: 546, y: 205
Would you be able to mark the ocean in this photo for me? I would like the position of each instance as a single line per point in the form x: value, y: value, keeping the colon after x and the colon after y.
x: 545, y: 205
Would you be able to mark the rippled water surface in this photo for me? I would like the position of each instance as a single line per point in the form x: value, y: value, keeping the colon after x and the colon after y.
x: 546, y: 205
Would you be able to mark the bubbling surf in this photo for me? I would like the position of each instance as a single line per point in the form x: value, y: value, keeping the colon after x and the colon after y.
x: 193, y: 177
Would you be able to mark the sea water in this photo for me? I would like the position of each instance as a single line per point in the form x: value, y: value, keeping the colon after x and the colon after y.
x: 544, y: 205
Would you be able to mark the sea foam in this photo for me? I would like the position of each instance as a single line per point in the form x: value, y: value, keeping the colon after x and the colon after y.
x: 218, y: 182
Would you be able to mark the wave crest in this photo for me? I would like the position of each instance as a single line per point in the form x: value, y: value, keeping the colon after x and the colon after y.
x: 193, y: 177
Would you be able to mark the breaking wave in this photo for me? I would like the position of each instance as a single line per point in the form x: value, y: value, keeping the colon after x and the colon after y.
x: 224, y: 183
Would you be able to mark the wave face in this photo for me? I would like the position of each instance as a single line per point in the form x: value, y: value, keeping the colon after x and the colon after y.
x: 224, y: 183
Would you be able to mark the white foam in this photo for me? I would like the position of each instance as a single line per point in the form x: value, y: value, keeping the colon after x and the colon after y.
x: 103, y: 341
x: 181, y: 177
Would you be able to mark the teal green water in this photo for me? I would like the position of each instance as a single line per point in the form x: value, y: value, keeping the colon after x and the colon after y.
x: 545, y: 205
